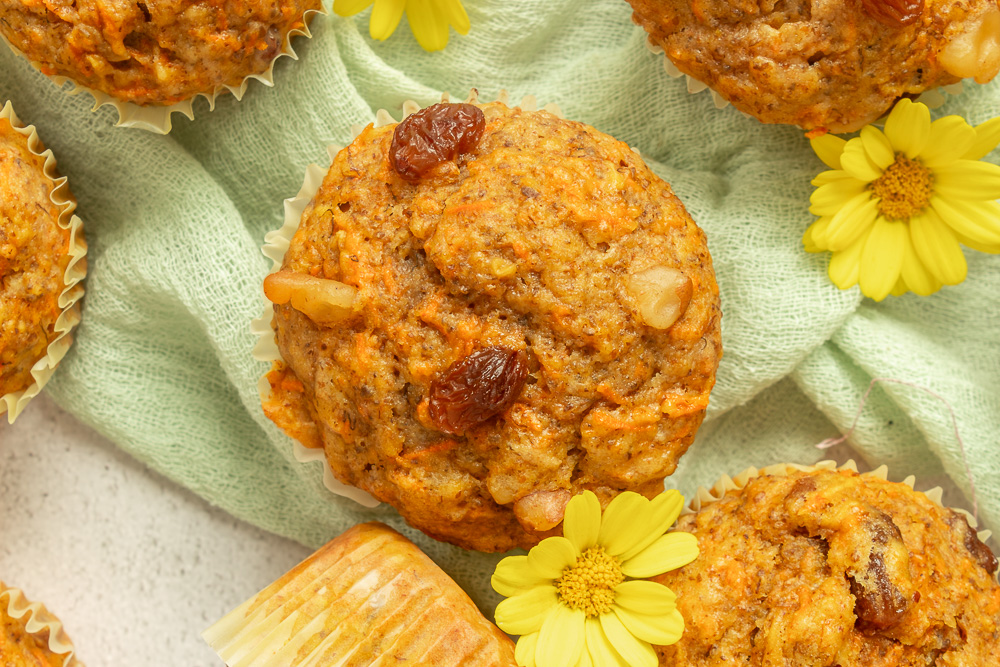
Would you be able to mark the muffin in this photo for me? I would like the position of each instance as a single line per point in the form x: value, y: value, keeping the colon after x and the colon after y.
x: 157, y: 52
x: 486, y: 310
x: 41, y: 264
x: 819, y: 567
x: 830, y: 64
x: 29, y: 635
x: 369, y: 597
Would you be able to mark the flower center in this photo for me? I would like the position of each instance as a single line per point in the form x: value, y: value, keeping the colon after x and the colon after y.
x: 589, y: 583
x: 903, y: 189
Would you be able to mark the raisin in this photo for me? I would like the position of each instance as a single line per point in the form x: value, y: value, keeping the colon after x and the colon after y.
x: 894, y: 13
x: 979, y: 551
x: 437, y: 134
x: 475, y: 388
x: 877, y: 601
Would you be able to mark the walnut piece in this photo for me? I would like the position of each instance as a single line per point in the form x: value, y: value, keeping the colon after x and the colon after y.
x: 325, y: 302
x: 662, y: 293
x: 976, y: 53
x: 542, y: 510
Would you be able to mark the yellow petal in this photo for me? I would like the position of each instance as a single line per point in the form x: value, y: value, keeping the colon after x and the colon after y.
x: 900, y: 288
x: 454, y: 13
x: 561, y: 639
x: 582, y: 522
x: 814, y: 238
x: 882, y: 258
x: 428, y: 26
x: 647, y: 597
x: 525, y: 613
x: 619, y: 529
x: 851, y: 221
x: 977, y: 220
x: 551, y: 556
x: 991, y: 248
x: 585, y: 659
x: 350, y: 7
x: 914, y: 274
x: 987, y: 138
x: 830, y: 198
x: 668, y: 552
x: 524, y: 651
x: 845, y: 265
x: 968, y: 179
x: 513, y: 575
x: 831, y: 176
x: 877, y: 147
x: 856, y: 162
x: 951, y: 138
x: 828, y: 148
x: 601, y: 651
x: 636, y: 652
x: 385, y: 18
x: 662, y: 630
x: 908, y: 127
x: 662, y: 511
x: 938, y: 248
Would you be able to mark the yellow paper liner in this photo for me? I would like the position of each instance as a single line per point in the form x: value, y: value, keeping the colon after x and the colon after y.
x: 156, y: 118
x: 14, y: 403
x: 933, y: 98
x: 704, y: 497
x: 276, y: 244
x: 39, y: 621
x: 369, y: 596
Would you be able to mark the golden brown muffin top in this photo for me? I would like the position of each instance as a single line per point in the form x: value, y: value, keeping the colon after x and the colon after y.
x: 34, y: 254
x: 834, y: 64
x: 832, y: 568
x: 543, y: 253
x: 19, y: 648
x: 155, y: 52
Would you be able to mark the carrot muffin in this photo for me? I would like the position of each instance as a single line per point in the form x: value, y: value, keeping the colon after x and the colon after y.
x: 29, y: 635
x: 157, y: 52
x: 834, y: 64
x: 827, y: 568
x: 486, y: 310
x: 36, y: 249
x: 369, y: 597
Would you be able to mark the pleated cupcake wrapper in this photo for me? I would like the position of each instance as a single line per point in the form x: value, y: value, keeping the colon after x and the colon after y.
x: 14, y: 403
x: 38, y: 621
x: 706, y: 496
x: 276, y: 245
x: 156, y: 118
x: 933, y: 98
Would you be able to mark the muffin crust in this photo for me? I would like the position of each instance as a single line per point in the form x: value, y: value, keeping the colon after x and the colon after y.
x: 155, y: 52
x: 528, y: 244
x: 831, y: 568
x: 19, y: 648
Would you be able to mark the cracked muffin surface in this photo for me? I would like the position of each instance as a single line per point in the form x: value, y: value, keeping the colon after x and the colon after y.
x: 156, y: 52
x: 531, y: 318
x: 832, y: 64
x: 830, y: 568
x: 34, y: 254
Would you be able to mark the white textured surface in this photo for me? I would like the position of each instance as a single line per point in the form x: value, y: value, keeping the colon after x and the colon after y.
x: 135, y: 566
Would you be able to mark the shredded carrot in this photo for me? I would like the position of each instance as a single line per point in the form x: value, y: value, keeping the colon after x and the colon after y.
x: 471, y: 207
x: 816, y: 133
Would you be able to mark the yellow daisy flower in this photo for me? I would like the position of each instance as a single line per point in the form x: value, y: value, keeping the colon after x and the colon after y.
x: 897, y: 204
x: 577, y: 600
x: 429, y: 19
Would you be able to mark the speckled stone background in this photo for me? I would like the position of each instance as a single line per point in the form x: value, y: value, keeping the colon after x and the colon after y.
x: 134, y: 565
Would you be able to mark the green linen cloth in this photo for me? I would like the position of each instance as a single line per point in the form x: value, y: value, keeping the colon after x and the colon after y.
x: 162, y: 362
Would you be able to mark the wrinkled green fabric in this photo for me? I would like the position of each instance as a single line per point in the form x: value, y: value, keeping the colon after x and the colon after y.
x: 162, y: 361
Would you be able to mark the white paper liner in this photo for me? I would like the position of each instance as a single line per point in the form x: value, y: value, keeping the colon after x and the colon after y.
x: 704, y: 497
x: 37, y: 619
x: 14, y: 403
x: 276, y: 244
x: 156, y: 118
x: 933, y: 98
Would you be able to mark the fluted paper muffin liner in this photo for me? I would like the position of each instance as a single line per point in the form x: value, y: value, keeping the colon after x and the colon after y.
x: 14, y: 403
x: 40, y: 623
x: 276, y: 244
x: 156, y: 118
x: 706, y: 496
x: 933, y: 98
